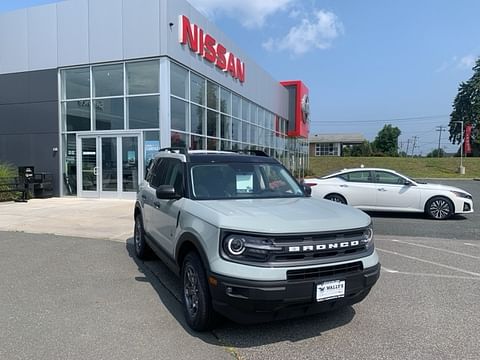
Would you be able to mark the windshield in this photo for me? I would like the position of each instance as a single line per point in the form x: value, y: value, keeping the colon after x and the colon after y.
x: 242, y: 180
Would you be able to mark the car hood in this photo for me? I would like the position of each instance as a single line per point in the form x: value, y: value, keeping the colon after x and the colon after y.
x: 281, y: 216
x: 429, y: 186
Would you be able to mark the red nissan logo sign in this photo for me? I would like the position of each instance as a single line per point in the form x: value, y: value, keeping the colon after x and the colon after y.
x: 207, y: 47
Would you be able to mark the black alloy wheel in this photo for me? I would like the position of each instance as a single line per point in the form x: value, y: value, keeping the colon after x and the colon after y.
x: 197, y: 303
x: 142, y: 250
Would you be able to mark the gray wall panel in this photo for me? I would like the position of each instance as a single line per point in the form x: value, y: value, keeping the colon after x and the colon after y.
x: 29, y: 121
x: 92, y: 31
x: 42, y: 37
x: 72, y: 17
x: 105, y: 30
x: 13, y: 41
x: 77, y: 32
x: 42, y: 85
x: 14, y: 119
x: 141, y: 23
x: 25, y: 87
x: 33, y: 118
x: 32, y: 149
x: 13, y: 88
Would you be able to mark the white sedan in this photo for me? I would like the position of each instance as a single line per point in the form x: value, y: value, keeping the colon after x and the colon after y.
x: 386, y: 190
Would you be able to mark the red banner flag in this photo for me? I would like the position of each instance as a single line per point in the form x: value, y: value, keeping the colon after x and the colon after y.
x: 467, y: 148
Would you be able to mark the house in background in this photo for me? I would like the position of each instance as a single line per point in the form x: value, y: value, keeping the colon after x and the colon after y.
x: 332, y: 144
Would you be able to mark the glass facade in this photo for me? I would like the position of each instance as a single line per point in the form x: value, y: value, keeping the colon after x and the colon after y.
x: 206, y: 115
x: 115, y: 99
x: 119, y: 100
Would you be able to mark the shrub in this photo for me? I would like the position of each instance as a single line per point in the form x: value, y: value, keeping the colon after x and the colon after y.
x: 7, y: 171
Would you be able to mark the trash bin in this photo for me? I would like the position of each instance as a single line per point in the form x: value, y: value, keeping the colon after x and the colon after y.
x: 25, y: 176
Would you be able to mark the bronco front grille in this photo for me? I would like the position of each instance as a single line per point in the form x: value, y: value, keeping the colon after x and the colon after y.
x: 317, y: 246
x: 324, y: 271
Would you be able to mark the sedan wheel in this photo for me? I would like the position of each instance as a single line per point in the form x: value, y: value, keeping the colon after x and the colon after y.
x: 336, y: 198
x: 439, y: 208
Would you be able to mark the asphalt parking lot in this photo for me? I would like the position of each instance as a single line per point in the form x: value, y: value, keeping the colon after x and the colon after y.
x: 73, y: 298
x: 82, y: 298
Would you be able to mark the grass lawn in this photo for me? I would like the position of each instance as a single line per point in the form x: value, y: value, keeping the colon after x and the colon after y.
x: 413, y: 167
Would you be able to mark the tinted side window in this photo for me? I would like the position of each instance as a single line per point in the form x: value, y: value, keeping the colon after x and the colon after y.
x: 156, y: 175
x: 175, y: 175
x: 357, y: 176
x: 388, y: 178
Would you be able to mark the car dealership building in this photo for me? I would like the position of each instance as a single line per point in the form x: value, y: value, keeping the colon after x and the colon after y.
x: 91, y: 89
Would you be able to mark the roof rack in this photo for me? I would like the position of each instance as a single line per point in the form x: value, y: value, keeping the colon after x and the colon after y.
x: 252, y: 152
x: 178, y: 150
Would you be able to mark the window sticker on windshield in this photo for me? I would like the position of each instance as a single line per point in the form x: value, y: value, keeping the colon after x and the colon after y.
x: 244, y: 183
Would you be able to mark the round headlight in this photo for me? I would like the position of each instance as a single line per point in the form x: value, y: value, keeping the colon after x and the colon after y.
x: 236, y: 246
x: 368, y: 235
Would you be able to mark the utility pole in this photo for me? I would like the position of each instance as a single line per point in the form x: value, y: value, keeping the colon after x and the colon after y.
x: 414, y: 144
x: 408, y: 145
x: 440, y: 129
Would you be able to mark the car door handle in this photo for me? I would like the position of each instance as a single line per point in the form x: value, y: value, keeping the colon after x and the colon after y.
x: 156, y: 204
x: 344, y: 185
x: 381, y: 189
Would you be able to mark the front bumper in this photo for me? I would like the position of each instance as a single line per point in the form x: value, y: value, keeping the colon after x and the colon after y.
x: 462, y: 205
x: 246, y: 301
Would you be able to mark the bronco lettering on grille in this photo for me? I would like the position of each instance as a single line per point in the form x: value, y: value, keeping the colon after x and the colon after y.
x: 321, y: 247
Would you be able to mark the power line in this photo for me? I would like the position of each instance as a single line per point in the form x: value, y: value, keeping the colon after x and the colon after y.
x: 339, y: 122
x: 414, y: 143
x: 440, y: 129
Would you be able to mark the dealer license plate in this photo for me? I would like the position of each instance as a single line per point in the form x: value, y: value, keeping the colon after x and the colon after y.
x: 330, y: 290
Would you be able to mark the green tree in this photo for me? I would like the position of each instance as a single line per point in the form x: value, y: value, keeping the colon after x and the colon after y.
x: 466, y: 109
x: 363, y: 149
x: 436, y: 153
x: 386, y: 141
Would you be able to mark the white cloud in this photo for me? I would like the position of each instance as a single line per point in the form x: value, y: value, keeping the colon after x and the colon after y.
x: 467, y: 62
x: 250, y: 13
x: 317, y: 32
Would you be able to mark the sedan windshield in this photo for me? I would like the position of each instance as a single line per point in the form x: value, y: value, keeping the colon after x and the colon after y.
x: 242, y: 180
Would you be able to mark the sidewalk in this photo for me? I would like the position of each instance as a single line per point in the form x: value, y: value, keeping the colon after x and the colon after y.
x: 110, y: 219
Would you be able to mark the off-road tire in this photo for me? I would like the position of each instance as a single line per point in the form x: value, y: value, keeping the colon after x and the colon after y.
x: 197, y: 301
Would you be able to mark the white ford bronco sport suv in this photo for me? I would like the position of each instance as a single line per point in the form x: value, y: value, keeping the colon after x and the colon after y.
x: 247, y: 239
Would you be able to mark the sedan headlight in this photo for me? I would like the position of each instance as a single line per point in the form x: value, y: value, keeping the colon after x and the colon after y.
x: 461, y: 194
x: 247, y: 248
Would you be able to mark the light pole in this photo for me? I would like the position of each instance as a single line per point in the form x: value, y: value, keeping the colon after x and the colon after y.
x: 462, y: 169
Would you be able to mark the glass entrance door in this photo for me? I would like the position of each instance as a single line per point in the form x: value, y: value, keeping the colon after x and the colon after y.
x: 108, y: 166
x: 89, y: 170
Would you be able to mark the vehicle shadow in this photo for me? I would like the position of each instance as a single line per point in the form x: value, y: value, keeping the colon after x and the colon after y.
x: 404, y: 215
x: 228, y: 333
x: 165, y: 283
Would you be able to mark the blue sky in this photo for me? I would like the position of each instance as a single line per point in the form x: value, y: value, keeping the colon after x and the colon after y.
x: 367, y: 63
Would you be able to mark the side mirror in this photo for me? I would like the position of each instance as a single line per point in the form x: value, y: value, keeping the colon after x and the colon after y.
x: 166, y: 192
x: 407, y: 183
x: 307, y: 189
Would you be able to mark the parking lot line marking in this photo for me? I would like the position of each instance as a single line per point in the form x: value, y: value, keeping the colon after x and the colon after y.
x: 469, y: 244
x: 437, y: 249
x: 430, y: 262
x: 429, y: 275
